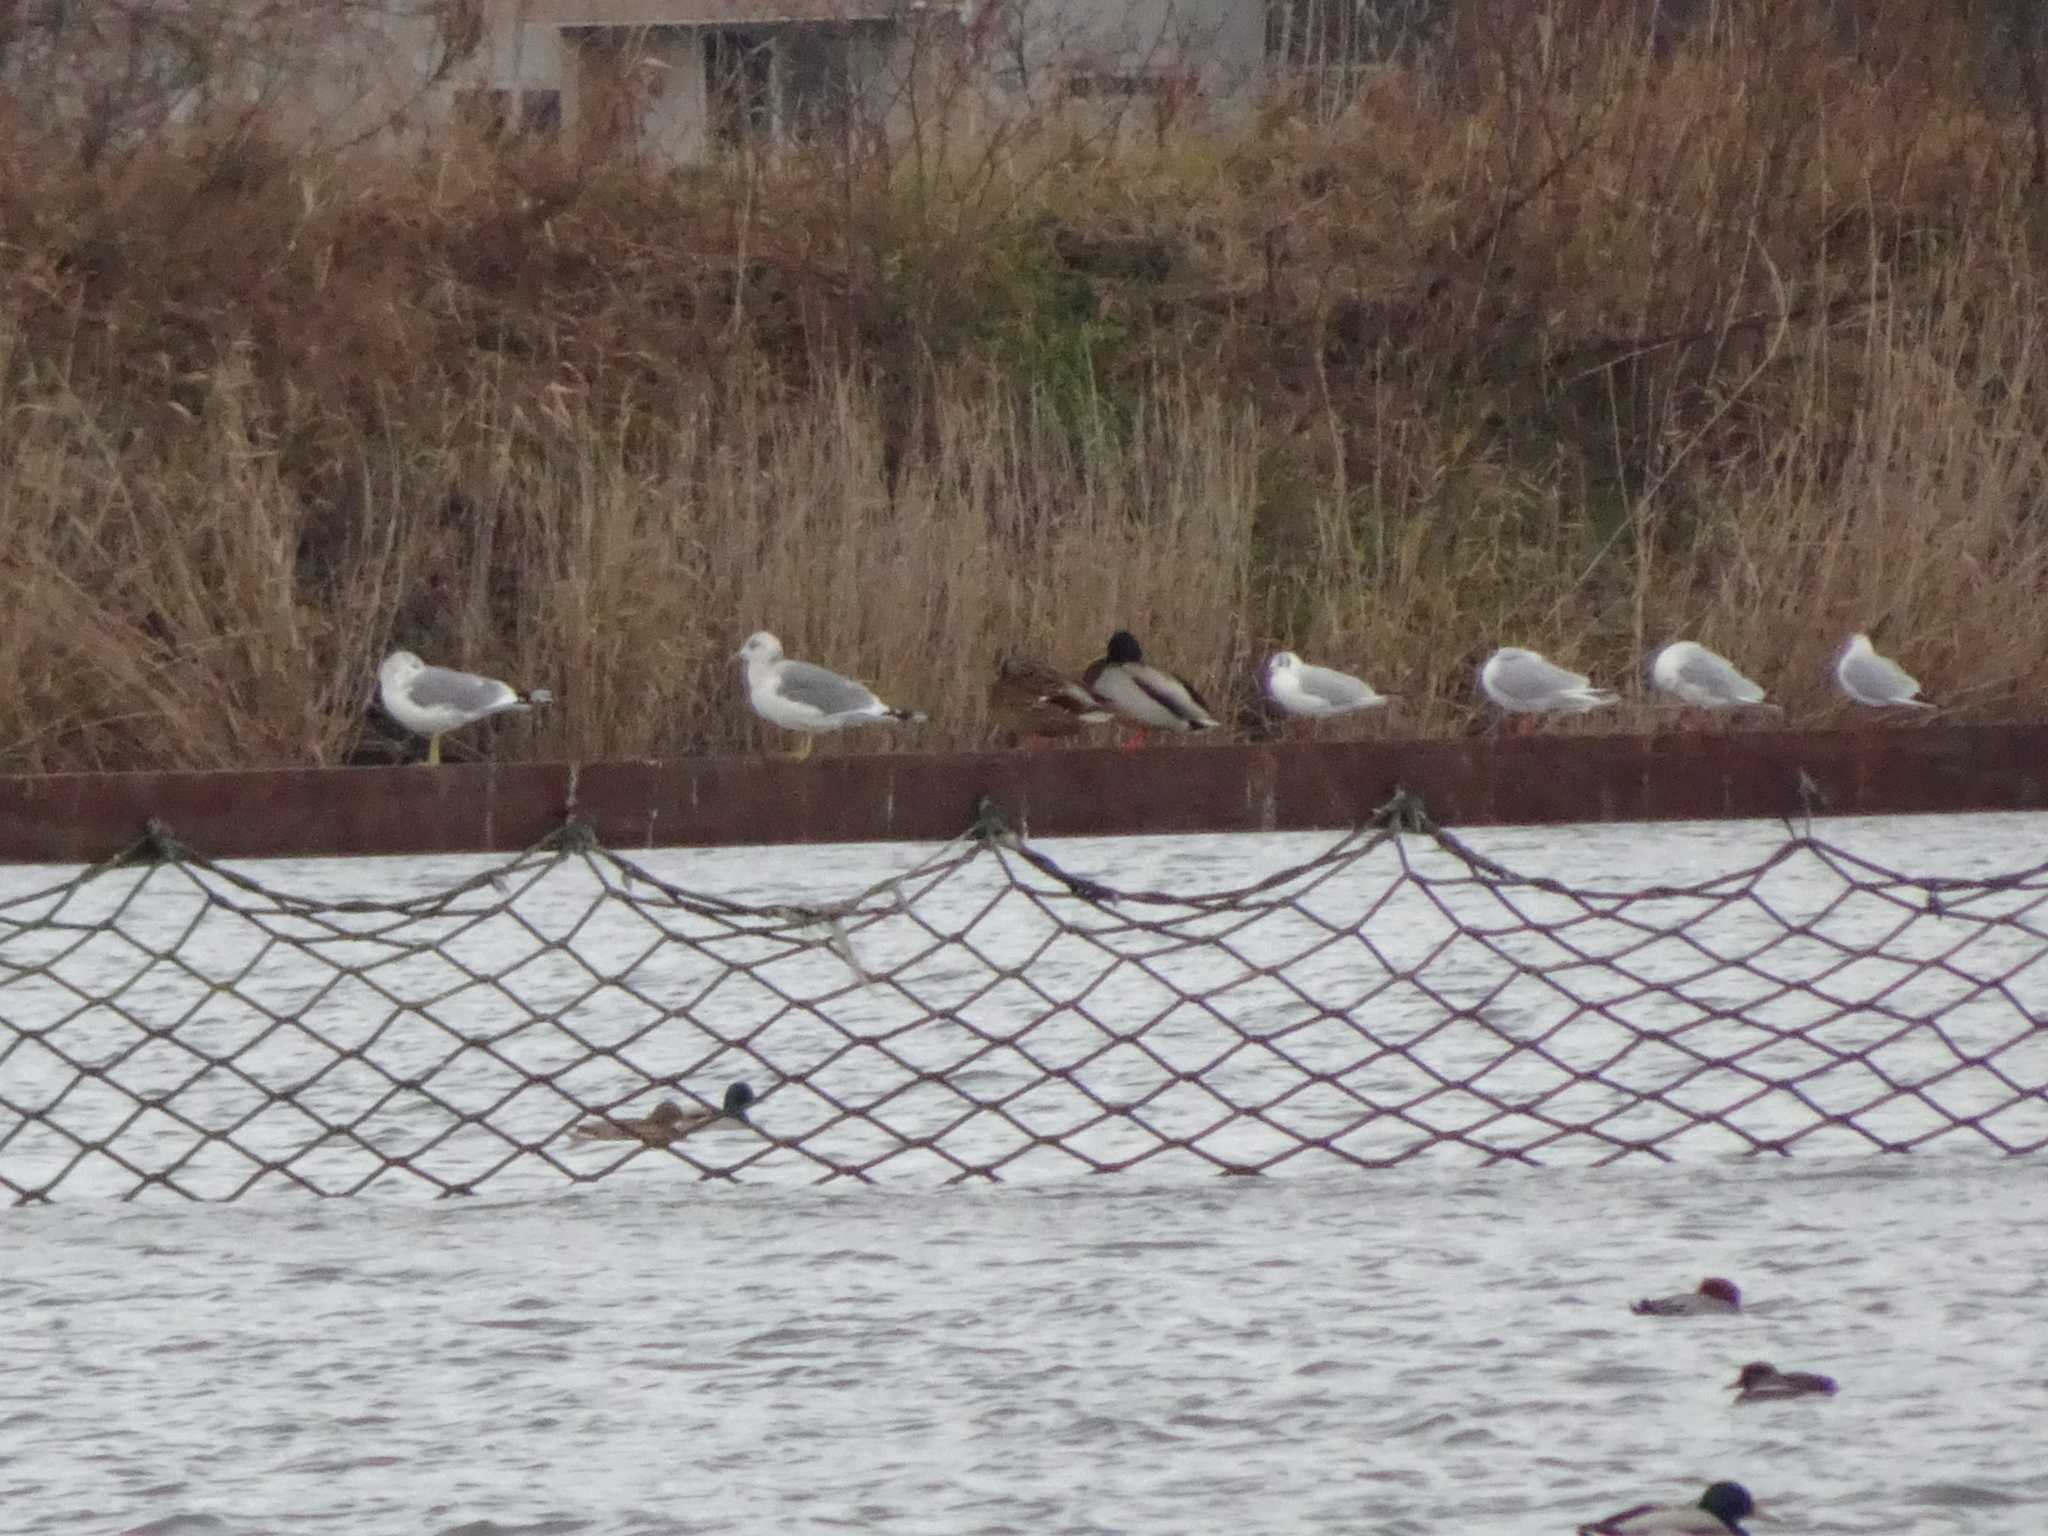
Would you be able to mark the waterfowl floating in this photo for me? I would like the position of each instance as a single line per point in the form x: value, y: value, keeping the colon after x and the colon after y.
x: 1719, y: 1512
x: 1714, y: 1296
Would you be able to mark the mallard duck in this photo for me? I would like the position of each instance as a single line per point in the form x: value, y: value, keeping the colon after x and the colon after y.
x: 1714, y: 1295
x: 1148, y: 695
x: 1868, y: 678
x: 1302, y: 689
x: 1719, y: 1513
x: 1032, y: 699
x: 801, y: 697
x: 1762, y: 1382
x: 669, y: 1121
x: 432, y: 701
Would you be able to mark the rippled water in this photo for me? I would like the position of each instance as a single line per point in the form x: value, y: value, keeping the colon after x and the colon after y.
x: 1422, y: 1350
x: 1405, y: 1352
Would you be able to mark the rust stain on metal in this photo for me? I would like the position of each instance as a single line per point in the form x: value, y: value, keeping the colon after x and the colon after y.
x: 1282, y: 786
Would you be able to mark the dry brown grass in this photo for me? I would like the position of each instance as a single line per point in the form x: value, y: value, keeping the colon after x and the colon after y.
x: 1571, y: 347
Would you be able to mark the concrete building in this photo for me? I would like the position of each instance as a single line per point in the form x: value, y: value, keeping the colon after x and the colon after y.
x: 690, y: 79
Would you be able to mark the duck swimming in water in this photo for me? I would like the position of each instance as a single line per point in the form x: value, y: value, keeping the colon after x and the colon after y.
x: 669, y: 1122
x: 1714, y: 1296
x: 1719, y: 1512
x: 1762, y: 1382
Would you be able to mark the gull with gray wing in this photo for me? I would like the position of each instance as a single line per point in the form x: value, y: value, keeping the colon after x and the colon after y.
x: 1868, y: 678
x: 1302, y: 689
x: 432, y: 701
x: 801, y: 697
x: 1522, y: 682
x: 1696, y: 676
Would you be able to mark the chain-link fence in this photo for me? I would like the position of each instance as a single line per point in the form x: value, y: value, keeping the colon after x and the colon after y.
x: 168, y: 1025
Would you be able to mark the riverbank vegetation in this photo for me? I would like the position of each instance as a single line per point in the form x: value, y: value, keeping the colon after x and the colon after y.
x: 1565, y: 342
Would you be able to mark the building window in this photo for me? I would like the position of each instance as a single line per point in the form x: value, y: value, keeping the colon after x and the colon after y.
x: 540, y: 113
x: 739, y: 85
x: 1097, y: 85
x: 488, y: 112
x: 817, y: 86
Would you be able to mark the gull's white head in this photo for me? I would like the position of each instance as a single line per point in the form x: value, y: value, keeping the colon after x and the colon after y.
x: 398, y: 667
x: 1281, y: 661
x: 761, y: 649
x: 1859, y: 644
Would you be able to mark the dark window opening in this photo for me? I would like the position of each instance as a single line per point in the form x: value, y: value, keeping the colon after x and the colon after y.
x: 1103, y: 86
x: 540, y: 113
x: 817, y: 84
x: 488, y: 112
x: 739, y: 85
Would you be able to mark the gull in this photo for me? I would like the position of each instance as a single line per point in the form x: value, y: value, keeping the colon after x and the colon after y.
x: 1876, y: 680
x: 800, y: 697
x: 432, y: 701
x: 1523, y: 683
x: 1694, y: 675
x: 1139, y: 691
x: 1302, y: 689
x: 1037, y: 701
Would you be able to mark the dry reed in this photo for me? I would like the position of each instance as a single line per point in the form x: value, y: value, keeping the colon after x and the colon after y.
x: 1567, y: 345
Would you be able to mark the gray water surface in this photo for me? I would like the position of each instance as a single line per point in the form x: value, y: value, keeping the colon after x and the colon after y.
x: 1694, y: 991
x: 1400, y: 1352
x: 1415, y: 1350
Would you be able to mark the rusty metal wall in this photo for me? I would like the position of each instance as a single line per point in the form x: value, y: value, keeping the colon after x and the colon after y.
x: 1080, y: 791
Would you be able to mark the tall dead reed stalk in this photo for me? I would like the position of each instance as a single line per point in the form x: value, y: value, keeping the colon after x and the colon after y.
x: 1558, y: 340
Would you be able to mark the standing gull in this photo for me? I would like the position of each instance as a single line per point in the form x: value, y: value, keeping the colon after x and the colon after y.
x: 1523, y: 683
x: 432, y: 701
x: 1694, y: 675
x: 800, y: 697
x: 1302, y: 689
x: 1149, y: 695
x: 1876, y: 680
x: 1036, y: 701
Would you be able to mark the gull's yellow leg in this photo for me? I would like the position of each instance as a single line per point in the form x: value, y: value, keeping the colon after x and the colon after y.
x: 433, y: 750
x: 803, y: 751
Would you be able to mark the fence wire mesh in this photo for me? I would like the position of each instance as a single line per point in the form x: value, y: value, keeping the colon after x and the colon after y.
x: 172, y: 1027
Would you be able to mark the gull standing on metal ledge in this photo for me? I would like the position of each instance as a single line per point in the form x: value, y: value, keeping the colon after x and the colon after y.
x: 1703, y: 679
x: 432, y: 701
x: 1523, y: 683
x: 801, y: 697
x: 1303, y: 689
x: 1878, y: 681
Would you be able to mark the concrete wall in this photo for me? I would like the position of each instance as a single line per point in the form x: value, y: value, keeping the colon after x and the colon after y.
x: 1040, y: 49
x: 818, y: 76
